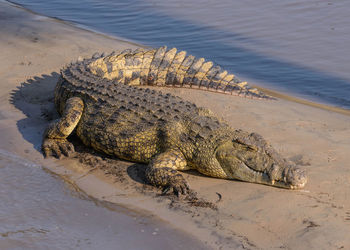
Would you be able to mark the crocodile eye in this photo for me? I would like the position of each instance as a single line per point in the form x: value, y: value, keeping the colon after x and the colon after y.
x: 252, y: 147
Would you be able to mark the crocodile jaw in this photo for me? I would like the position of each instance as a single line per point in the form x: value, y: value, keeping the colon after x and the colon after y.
x: 291, y: 178
x: 295, y: 178
x: 253, y: 164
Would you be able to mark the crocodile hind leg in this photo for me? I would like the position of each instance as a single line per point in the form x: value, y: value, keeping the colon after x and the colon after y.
x: 162, y: 172
x: 55, y: 137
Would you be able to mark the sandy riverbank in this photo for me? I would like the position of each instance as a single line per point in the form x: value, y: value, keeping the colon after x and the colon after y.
x: 34, y: 48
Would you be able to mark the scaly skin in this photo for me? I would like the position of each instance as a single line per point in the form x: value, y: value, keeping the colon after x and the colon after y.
x: 95, y: 98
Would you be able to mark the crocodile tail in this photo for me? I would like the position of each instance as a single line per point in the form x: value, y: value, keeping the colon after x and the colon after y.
x: 155, y: 64
x: 162, y: 67
x: 179, y: 70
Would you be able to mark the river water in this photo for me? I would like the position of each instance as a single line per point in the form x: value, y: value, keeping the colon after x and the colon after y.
x: 298, y: 47
x: 39, y: 211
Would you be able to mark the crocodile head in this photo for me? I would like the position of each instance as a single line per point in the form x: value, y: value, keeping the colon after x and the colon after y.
x: 250, y: 158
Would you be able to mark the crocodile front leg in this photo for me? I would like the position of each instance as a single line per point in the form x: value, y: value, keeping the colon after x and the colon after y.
x: 162, y: 172
x: 55, y: 137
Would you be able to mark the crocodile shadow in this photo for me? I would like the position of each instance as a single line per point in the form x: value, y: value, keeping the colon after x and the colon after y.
x: 34, y: 98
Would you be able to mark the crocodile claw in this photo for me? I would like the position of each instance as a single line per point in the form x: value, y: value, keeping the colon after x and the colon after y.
x: 57, y: 147
x: 178, y: 185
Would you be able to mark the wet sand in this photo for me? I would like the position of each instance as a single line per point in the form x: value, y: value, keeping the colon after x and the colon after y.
x: 41, y: 210
x: 228, y: 214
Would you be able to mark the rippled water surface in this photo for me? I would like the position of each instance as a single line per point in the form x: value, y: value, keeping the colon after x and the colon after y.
x: 38, y: 211
x: 297, y: 46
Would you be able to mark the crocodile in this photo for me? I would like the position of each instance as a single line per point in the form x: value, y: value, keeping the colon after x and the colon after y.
x: 106, y: 102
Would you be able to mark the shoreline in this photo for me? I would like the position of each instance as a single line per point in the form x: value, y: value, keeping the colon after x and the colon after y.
x: 248, y: 215
x: 287, y: 97
x: 75, y: 25
x: 268, y: 91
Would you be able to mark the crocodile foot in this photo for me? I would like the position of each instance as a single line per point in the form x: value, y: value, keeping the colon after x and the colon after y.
x: 57, y: 147
x: 177, y: 184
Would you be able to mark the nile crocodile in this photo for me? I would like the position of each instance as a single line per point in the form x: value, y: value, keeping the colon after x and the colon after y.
x: 95, y: 97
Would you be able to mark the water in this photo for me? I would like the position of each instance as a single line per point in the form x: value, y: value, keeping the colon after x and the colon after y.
x: 297, y: 46
x: 38, y: 211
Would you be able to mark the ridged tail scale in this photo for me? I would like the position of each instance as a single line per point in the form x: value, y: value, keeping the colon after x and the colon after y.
x: 162, y: 67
